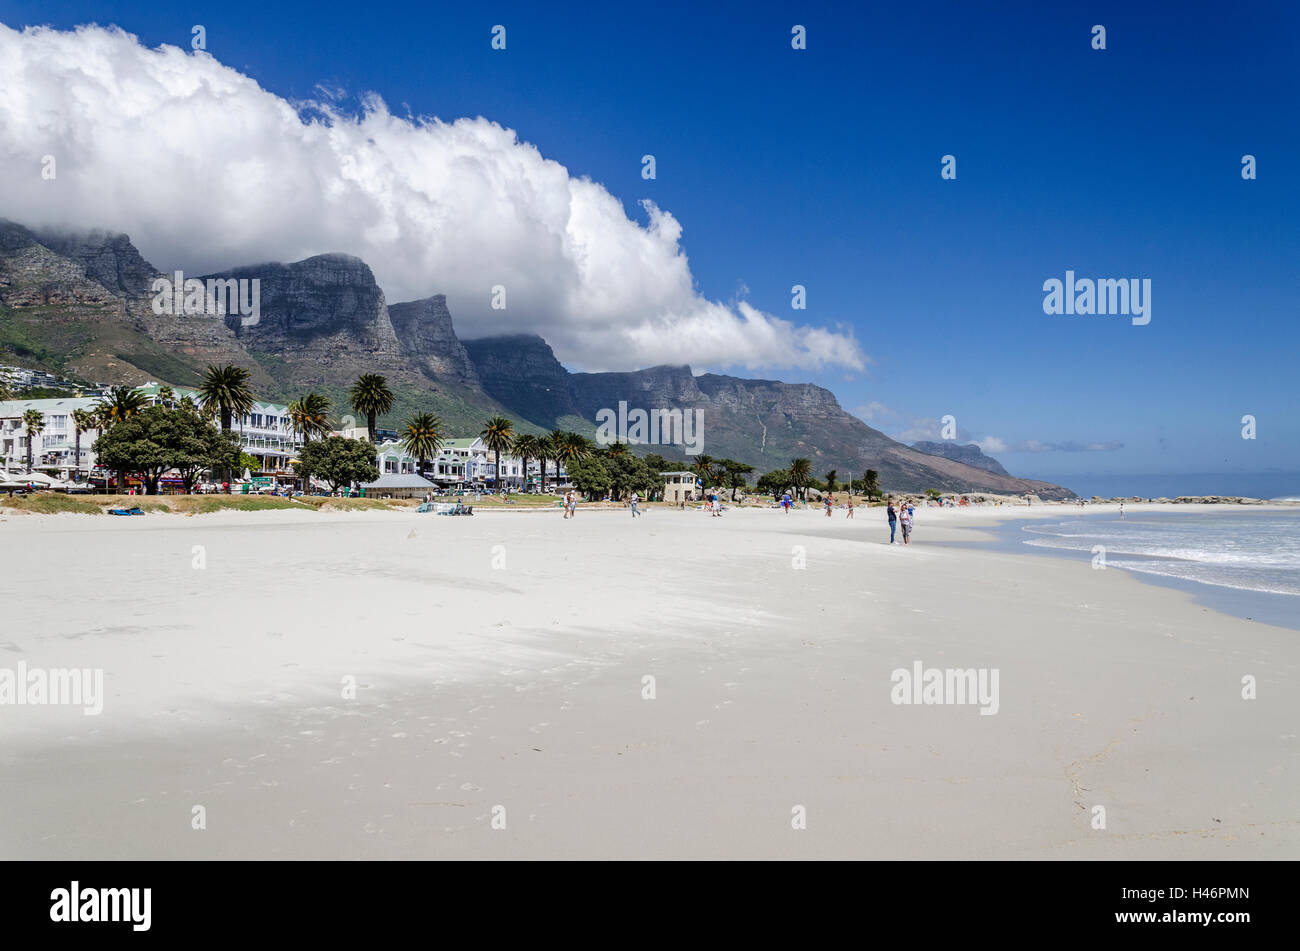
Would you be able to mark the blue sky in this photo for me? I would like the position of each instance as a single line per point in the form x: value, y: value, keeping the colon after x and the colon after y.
x: 821, y: 168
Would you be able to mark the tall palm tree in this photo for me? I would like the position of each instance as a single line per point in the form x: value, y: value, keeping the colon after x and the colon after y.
x: 527, y: 446
x: 422, y: 437
x: 166, y: 396
x: 122, y: 402
x: 83, y: 420
x: 800, y: 472
x: 831, y: 478
x: 498, y: 435
x: 227, y: 389
x: 33, y: 423
x: 310, y: 416
x: 551, y: 450
x: 616, y: 449
x: 187, y: 403
x: 370, y: 395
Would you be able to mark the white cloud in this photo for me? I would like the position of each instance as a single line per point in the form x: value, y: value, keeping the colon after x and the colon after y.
x: 206, y: 170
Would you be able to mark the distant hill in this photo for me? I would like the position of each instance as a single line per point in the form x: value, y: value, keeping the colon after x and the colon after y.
x: 970, y: 454
x: 79, y: 304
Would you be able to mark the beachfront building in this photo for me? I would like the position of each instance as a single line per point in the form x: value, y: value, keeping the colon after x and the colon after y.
x: 680, y: 486
x: 398, y: 486
x: 54, y: 447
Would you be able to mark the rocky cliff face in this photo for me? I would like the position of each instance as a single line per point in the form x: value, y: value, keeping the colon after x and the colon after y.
x: 970, y: 454
x: 425, y: 332
x: 81, y: 304
x: 521, y: 372
x: 763, y: 422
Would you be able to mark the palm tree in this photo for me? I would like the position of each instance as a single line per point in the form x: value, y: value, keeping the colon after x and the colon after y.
x: 33, y: 423
x: 82, y: 421
x: 226, y: 388
x: 830, y: 479
x: 370, y: 395
x: 166, y: 396
x: 498, y: 435
x: 527, y: 446
x: 187, y: 403
x: 422, y: 437
x: 800, y: 472
x: 704, y: 469
x: 121, y: 403
x: 616, y: 449
x: 551, y: 450
x: 310, y: 416
x: 570, y: 447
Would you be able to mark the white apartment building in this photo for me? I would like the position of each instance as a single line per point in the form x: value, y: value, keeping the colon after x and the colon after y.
x: 54, y: 447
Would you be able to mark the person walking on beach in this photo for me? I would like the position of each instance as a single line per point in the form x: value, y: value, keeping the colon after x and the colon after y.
x: 634, y: 500
x: 906, y: 521
x: 785, y: 502
x: 1121, y: 510
x: 893, y: 522
x: 829, y: 502
x: 850, y: 513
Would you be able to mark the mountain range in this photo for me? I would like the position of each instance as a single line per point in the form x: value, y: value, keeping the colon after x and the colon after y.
x: 80, y: 305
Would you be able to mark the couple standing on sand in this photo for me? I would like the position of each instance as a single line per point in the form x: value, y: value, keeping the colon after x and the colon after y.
x: 570, y: 504
x: 902, y: 514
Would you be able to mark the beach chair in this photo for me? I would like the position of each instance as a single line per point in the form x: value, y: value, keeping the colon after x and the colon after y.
x: 425, y: 507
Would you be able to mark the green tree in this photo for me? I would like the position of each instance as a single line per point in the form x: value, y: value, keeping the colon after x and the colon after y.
x: 498, y: 435
x: 831, y: 480
x: 800, y: 475
x: 338, y: 462
x: 33, y: 423
x: 249, y: 462
x: 166, y: 396
x: 310, y: 416
x: 371, y: 396
x: 591, y: 475
x: 422, y: 438
x: 774, y: 483
x: 871, y: 484
x: 616, y: 448
x: 733, y: 475
x: 158, y: 439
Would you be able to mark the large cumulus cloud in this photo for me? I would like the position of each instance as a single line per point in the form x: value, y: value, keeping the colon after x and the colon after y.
x: 207, y: 170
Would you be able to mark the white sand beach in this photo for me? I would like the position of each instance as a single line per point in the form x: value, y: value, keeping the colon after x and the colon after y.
x: 521, y: 685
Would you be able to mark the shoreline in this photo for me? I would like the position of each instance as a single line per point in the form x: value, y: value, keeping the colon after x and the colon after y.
x: 1275, y: 608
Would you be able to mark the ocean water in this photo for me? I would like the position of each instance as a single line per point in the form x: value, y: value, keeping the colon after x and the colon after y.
x: 1255, y: 551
